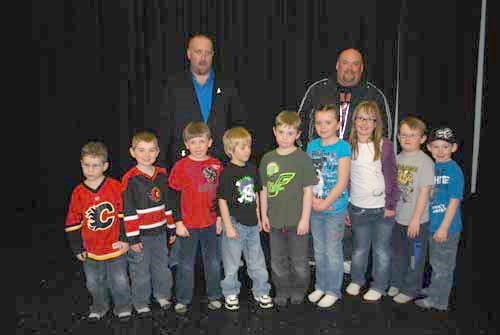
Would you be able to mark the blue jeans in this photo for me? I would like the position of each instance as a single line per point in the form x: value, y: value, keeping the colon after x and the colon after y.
x: 442, y: 259
x: 371, y: 231
x: 289, y: 262
x: 248, y: 243
x: 408, y: 259
x: 112, y: 274
x: 328, y: 232
x: 149, y: 271
x: 188, y: 247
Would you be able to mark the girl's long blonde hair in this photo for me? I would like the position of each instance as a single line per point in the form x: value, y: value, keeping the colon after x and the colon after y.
x: 371, y: 108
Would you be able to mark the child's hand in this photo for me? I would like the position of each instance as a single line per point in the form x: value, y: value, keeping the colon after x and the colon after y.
x: 181, y: 230
x: 171, y: 239
x: 441, y: 235
x: 121, y: 246
x: 413, y: 229
x: 137, y: 247
x: 388, y: 213
x: 320, y: 205
x: 303, y: 227
x: 348, y: 220
x: 232, y: 234
x: 82, y: 256
x: 265, y: 224
x: 218, y: 225
x: 259, y: 224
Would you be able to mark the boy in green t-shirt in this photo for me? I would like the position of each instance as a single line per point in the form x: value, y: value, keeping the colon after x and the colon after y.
x: 287, y: 175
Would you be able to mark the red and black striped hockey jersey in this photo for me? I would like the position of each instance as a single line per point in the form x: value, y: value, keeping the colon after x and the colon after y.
x: 93, y: 222
x: 146, y: 202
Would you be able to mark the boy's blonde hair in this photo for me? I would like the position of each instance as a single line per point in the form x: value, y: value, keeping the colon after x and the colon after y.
x: 144, y: 136
x: 414, y: 123
x: 328, y: 108
x: 196, y: 129
x: 234, y: 136
x: 371, y: 108
x: 288, y: 118
x: 95, y: 149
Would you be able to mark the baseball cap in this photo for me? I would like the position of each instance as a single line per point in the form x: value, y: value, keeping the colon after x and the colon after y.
x: 443, y: 134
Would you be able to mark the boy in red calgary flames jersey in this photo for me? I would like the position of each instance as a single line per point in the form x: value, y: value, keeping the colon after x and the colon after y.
x: 147, y: 200
x: 95, y: 233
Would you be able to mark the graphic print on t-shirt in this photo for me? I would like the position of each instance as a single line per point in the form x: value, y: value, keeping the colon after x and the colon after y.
x: 277, y: 181
x: 326, y: 167
x: 246, y: 190
x: 405, y: 180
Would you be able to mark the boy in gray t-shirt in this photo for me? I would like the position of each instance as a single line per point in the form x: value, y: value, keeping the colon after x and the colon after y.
x: 287, y: 175
x: 409, y: 238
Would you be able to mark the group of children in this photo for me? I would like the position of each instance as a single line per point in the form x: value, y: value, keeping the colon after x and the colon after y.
x: 397, y: 206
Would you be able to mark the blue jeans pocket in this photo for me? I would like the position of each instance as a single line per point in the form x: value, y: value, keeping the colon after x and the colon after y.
x: 135, y: 257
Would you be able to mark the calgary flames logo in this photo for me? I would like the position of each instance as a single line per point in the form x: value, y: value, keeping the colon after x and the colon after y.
x: 155, y: 194
x: 101, y: 216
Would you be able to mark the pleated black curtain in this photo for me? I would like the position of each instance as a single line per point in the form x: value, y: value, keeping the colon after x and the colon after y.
x: 103, y: 64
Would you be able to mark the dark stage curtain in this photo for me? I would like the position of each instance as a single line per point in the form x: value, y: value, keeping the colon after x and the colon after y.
x: 103, y: 64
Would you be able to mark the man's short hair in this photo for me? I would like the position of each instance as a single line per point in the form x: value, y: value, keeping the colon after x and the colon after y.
x: 95, y: 149
x: 196, y: 35
x: 288, y: 118
x: 196, y: 129
x: 414, y: 123
x: 234, y: 136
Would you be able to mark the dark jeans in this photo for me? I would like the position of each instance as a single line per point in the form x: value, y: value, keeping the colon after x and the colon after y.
x: 408, y: 259
x: 289, y: 262
x: 188, y: 247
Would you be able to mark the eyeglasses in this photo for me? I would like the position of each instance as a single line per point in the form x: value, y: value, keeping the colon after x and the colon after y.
x: 91, y: 166
x: 205, y: 53
x: 364, y: 119
x: 412, y: 136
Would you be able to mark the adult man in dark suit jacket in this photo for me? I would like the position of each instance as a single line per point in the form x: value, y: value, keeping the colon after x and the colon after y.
x: 198, y: 94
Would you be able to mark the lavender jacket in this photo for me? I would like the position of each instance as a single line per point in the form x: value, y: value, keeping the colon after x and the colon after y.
x: 390, y: 172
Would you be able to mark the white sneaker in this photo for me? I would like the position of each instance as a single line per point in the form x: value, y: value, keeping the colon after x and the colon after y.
x: 94, y: 316
x: 393, y: 291
x: 372, y: 295
x: 123, y: 315
x: 347, y: 267
x: 164, y: 303
x: 214, y: 305
x: 315, y: 296
x: 327, y: 301
x: 402, y: 298
x: 265, y: 301
x: 353, y: 289
x: 232, y: 302
x: 180, y: 308
x: 143, y: 310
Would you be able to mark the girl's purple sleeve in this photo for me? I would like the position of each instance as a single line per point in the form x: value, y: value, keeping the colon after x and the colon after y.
x: 390, y: 171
